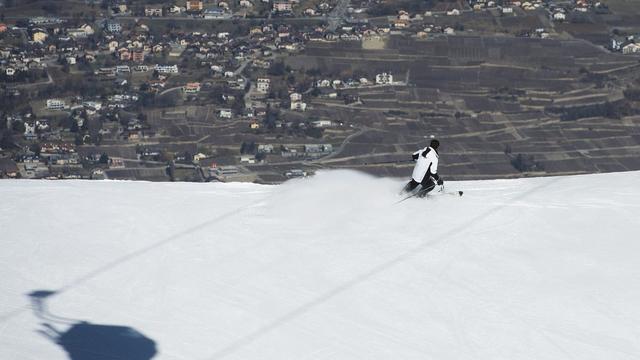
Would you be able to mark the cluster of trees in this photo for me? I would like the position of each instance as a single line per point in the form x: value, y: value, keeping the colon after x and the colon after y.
x: 526, y: 163
x: 251, y: 148
x: 270, y: 120
x: 10, y: 103
x: 611, y: 110
x: 23, y: 76
x: 522, y: 162
x: 314, y: 132
x: 248, y: 147
x: 391, y: 7
x: 278, y: 68
x: 600, y: 80
x: 6, y: 135
x: 632, y: 94
x: 87, y: 86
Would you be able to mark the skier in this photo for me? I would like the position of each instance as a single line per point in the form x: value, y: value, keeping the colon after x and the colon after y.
x: 425, y: 172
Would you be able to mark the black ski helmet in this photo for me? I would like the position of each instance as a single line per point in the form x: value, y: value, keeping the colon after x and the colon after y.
x: 434, y: 144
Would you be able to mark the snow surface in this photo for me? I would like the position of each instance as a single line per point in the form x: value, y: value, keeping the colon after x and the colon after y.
x: 328, y: 267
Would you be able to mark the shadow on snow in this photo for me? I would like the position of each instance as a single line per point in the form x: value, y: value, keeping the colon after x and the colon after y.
x: 83, y: 340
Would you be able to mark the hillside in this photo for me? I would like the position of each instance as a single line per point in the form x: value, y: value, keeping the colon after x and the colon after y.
x: 321, y: 268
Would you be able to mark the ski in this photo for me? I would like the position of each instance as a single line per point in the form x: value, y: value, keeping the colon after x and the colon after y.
x: 441, y: 191
x: 406, y: 198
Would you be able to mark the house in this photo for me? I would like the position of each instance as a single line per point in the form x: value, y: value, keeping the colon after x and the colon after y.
x: 631, y: 48
x: 191, y: 88
x: 55, y: 104
x: 298, y: 106
x: 110, y: 71
x: 318, y: 148
x: 166, y: 69
x: 248, y: 113
x: 322, y: 123
x: 92, y: 105
x: 226, y: 172
x: 157, y: 48
x: 81, y: 32
x: 249, y: 159
x: 403, y: 15
x: 194, y: 5
x: 214, y: 13
x: 175, y: 9
x: 153, y: 11
x: 141, y: 68
x: 120, y: 9
x: 263, y: 85
x: 141, y: 28
x: 559, y: 16
x: 384, y: 79
x: 39, y: 36
x: 294, y: 173
x: 124, y: 54
x: 225, y: 113
x: 137, y: 56
x: 176, y: 50
x: 323, y: 83
x: 282, y: 6
x: 29, y: 131
x: 400, y: 24
x: 112, y: 45
x: 114, y: 27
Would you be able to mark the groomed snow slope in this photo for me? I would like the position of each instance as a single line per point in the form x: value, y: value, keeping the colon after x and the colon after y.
x: 327, y: 268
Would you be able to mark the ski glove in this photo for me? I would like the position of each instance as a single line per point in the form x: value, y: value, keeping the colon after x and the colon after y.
x: 440, y: 181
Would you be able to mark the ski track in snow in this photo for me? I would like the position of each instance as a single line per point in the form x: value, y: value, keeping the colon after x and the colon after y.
x: 328, y: 267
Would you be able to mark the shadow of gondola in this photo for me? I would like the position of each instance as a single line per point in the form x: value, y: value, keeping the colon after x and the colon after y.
x: 83, y: 340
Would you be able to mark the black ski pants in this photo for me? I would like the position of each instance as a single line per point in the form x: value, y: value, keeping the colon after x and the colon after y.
x: 427, y: 185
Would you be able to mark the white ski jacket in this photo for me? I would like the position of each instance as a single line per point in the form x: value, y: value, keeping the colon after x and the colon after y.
x: 427, y: 163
